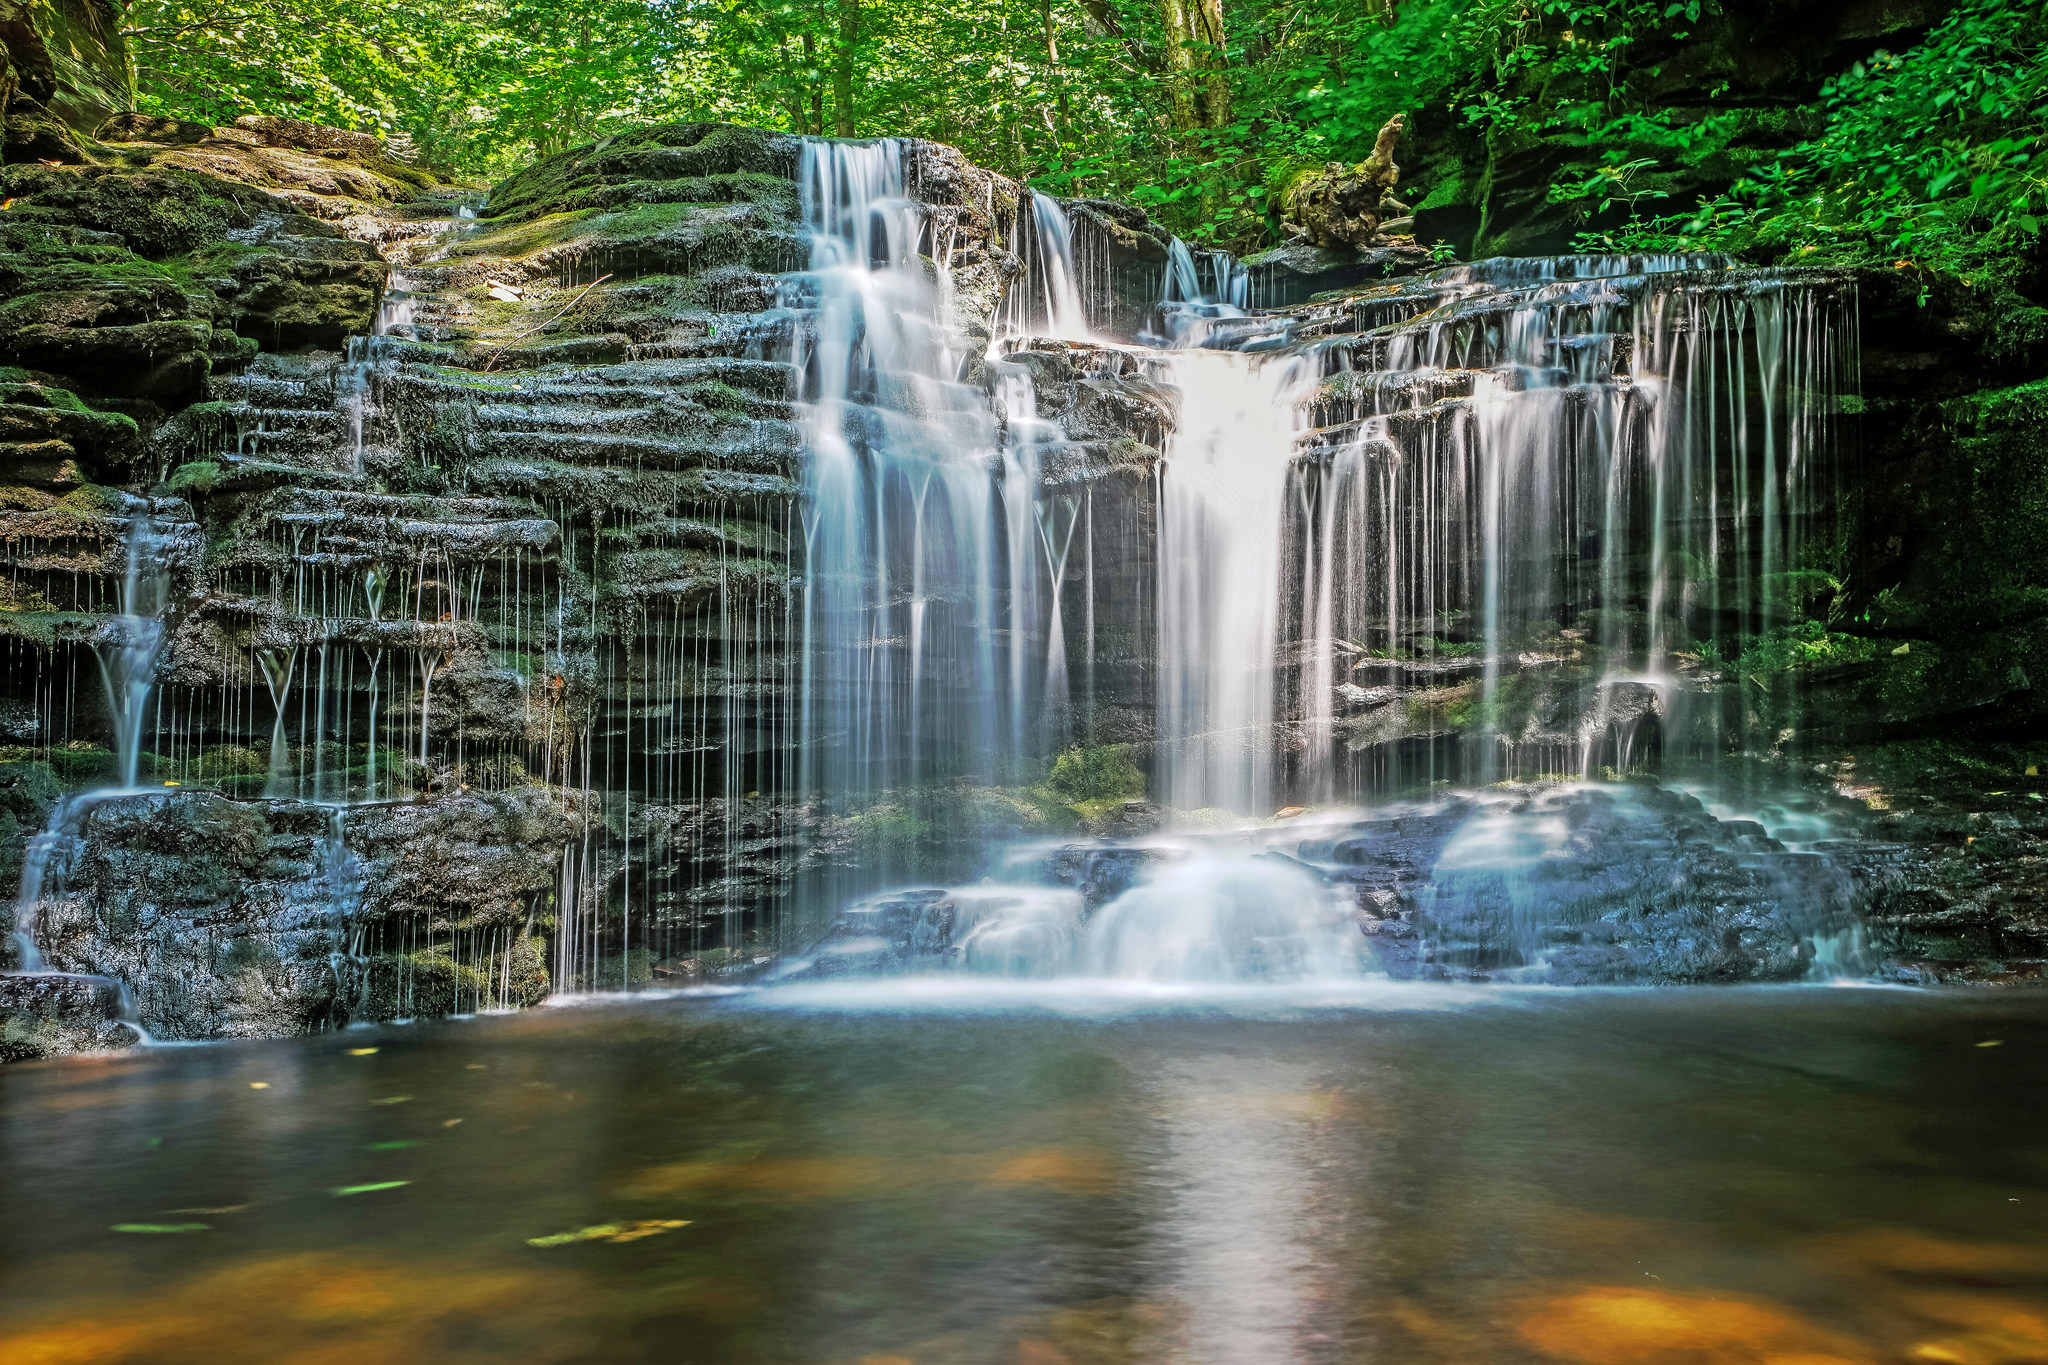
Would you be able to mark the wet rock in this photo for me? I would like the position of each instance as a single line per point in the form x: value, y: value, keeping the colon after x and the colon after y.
x: 60, y: 1015
x: 229, y: 918
x: 1284, y: 276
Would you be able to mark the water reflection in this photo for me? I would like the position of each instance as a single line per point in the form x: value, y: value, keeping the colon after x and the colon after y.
x: 1823, y: 1177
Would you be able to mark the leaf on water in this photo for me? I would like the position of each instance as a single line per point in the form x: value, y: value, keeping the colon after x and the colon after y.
x: 160, y: 1227
x: 369, y: 1189
x: 611, y: 1232
x: 394, y: 1099
x: 361, y: 1051
x: 449, y: 1123
x: 259, y: 1085
x: 225, y: 1208
x: 1992, y: 1042
x: 391, y: 1146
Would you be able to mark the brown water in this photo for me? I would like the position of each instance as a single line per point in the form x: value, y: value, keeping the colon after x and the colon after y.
x: 1420, y: 1174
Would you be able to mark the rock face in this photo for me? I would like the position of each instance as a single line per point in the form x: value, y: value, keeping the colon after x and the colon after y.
x: 63, y: 68
x: 479, y: 540
x: 255, y: 919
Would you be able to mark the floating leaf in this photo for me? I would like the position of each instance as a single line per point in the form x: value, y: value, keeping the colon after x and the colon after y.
x: 1992, y: 1042
x: 259, y: 1085
x: 391, y: 1146
x: 369, y: 1189
x: 361, y: 1051
x: 394, y: 1099
x: 160, y: 1227
x: 611, y: 1232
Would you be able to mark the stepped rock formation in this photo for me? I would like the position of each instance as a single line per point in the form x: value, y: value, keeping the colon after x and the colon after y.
x: 490, y: 563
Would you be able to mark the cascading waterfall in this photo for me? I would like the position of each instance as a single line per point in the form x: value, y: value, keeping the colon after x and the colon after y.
x: 1221, y: 497
x: 127, y: 653
x: 1505, y: 520
x: 1509, y: 507
x: 921, y: 584
x: 1593, y: 467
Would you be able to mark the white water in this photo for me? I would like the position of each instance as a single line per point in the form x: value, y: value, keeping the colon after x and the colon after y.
x: 1222, y: 489
x: 1499, y: 461
x: 918, y: 571
x: 127, y: 650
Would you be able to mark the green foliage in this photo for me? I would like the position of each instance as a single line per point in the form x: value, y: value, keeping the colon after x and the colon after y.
x: 1806, y: 646
x: 1096, y: 773
x: 1933, y: 155
x: 1930, y: 153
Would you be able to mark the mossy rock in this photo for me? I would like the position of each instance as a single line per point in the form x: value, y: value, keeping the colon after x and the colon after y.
x: 593, y: 176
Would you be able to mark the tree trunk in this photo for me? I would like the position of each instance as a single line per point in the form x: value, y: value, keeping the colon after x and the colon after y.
x: 1208, y: 30
x: 817, y: 122
x: 842, y: 73
x: 1180, y: 75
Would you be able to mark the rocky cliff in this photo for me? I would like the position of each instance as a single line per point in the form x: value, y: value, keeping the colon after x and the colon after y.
x: 478, y: 527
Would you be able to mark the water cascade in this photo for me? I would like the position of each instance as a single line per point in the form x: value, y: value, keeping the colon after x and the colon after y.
x: 1495, y: 522
x: 762, y: 625
x: 920, y: 549
x: 127, y: 650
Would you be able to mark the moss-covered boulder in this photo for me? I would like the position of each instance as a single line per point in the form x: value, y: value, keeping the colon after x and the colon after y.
x: 63, y: 68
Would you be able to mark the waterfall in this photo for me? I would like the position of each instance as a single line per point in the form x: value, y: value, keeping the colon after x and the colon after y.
x: 126, y: 647
x: 921, y: 571
x: 1520, y: 469
x: 1496, y: 522
x: 128, y: 657
x: 1221, y: 492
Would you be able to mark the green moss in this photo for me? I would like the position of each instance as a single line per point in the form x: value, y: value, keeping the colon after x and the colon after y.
x: 1808, y: 645
x: 194, y: 479
x: 1102, y: 772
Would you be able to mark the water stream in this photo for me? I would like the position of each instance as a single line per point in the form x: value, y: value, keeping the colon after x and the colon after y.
x: 1498, y: 522
x: 1309, y: 576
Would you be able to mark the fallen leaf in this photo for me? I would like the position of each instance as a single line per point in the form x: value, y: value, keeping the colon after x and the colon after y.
x: 225, y: 1208
x: 259, y: 1085
x: 369, y: 1189
x: 1992, y: 1042
x: 160, y: 1227
x: 361, y: 1051
x: 394, y: 1099
x: 390, y: 1146
x: 449, y: 1123
x: 611, y: 1232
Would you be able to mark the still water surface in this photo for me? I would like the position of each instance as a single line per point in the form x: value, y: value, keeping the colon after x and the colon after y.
x: 865, y: 1174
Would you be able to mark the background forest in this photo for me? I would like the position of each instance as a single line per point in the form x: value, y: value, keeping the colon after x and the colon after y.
x: 1896, y: 129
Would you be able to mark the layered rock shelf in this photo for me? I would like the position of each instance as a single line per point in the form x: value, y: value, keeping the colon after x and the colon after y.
x: 480, y: 529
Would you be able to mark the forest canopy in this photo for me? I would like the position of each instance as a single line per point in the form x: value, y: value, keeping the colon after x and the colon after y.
x: 1649, y: 117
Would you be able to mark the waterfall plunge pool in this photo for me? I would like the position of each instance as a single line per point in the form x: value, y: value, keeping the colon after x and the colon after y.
x: 816, y: 1174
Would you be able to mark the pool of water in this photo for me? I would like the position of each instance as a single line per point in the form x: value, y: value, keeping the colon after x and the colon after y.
x: 937, y: 1173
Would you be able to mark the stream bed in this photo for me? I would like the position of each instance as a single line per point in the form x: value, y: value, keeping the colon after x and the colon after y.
x: 932, y: 1171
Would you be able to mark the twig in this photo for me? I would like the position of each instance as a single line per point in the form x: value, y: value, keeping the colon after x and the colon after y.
x: 531, y: 330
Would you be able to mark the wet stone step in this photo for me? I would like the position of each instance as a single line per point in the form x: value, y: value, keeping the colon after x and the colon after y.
x: 560, y: 417
x: 749, y: 444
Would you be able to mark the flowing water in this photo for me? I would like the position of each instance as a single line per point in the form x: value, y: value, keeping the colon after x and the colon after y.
x: 842, y: 1174
x: 1511, y: 520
